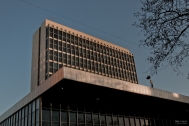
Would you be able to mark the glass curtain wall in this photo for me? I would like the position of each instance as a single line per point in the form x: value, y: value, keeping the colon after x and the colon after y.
x: 27, y: 116
x: 81, y: 117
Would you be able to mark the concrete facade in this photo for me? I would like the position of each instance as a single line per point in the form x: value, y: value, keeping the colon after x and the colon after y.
x: 93, y: 79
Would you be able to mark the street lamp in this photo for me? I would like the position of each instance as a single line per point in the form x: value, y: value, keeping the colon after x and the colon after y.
x: 151, y: 82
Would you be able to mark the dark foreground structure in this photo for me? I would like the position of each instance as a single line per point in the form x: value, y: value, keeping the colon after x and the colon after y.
x: 67, y: 93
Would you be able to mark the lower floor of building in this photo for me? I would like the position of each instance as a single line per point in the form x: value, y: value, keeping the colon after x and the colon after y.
x: 71, y: 103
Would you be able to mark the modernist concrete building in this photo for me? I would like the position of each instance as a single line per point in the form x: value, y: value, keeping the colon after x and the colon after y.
x: 80, y: 80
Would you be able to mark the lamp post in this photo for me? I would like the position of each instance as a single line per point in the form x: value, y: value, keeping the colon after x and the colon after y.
x: 151, y: 82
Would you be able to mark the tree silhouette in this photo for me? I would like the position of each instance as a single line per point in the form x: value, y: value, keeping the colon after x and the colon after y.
x: 164, y: 24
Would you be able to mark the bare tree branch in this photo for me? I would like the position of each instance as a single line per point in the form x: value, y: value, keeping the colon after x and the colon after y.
x: 164, y: 24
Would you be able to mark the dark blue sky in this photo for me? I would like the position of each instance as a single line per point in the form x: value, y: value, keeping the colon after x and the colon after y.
x: 18, y: 22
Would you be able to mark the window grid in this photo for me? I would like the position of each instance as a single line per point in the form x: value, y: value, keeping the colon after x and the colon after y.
x: 62, y: 42
x: 22, y: 117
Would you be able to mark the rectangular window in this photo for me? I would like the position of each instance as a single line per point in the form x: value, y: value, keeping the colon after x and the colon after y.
x: 65, y: 58
x: 60, y: 46
x: 60, y: 35
x: 102, y: 67
x: 56, y: 33
x: 73, y: 61
x: 94, y: 46
x: 98, y: 57
x: 97, y: 47
x: 85, y: 64
x: 47, y: 32
x: 92, y: 66
x: 95, y: 119
x: 99, y: 68
x: 101, y: 59
x: 88, y: 65
x: 68, y: 37
x: 127, y: 121
x: 91, y: 45
x: 84, y: 53
x: 106, y: 69
x: 72, y: 39
x: 46, y: 115
x: 77, y: 61
x: 88, y: 54
x: 68, y: 48
x: 109, y: 120
x: 88, y: 118
x: 51, y: 43
x: 64, y: 116
x: 72, y: 49
x: 51, y: 32
x: 80, y: 42
x: 115, y: 121
x: 81, y: 118
x: 64, y: 46
x: 91, y: 55
x: 103, y: 50
x: 64, y: 36
x: 69, y: 59
x: 73, y: 117
x: 76, y: 51
x: 107, y: 50
x: 81, y: 62
x: 55, y: 116
x: 80, y: 52
x: 76, y: 40
x: 96, y: 67
x: 87, y: 44
x: 105, y: 59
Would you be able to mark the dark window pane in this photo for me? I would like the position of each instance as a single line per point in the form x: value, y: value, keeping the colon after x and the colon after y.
x: 147, y: 122
x: 26, y: 110
x: 95, y: 119
x: 64, y: 116
x: 29, y: 119
x: 102, y: 119
x: 26, y: 121
x: 132, y: 121
x: 64, y: 124
x: 23, y: 122
x: 72, y: 117
x: 81, y: 118
x: 46, y: 114
x: 115, y: 120
x: 33, y: 117
x: 37, y: 103
x: 29, y: 108
x: 22, y: 112
x: 137, y: 122
x: 81, y: 124
x: 33, y: 106
x: 142, y: 122
x: 73, y: 124
x: 45, y: 123
x: 37, y: 115
x: 121, y: 121
x: 56, y: 65
x: 55, y: 123
x: 88, y: 118
x: 55, y: 115
x: 109, y: 119
x: 127, y: 122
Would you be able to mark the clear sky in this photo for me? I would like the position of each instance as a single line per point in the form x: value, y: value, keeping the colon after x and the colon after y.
x: 109, y: 20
